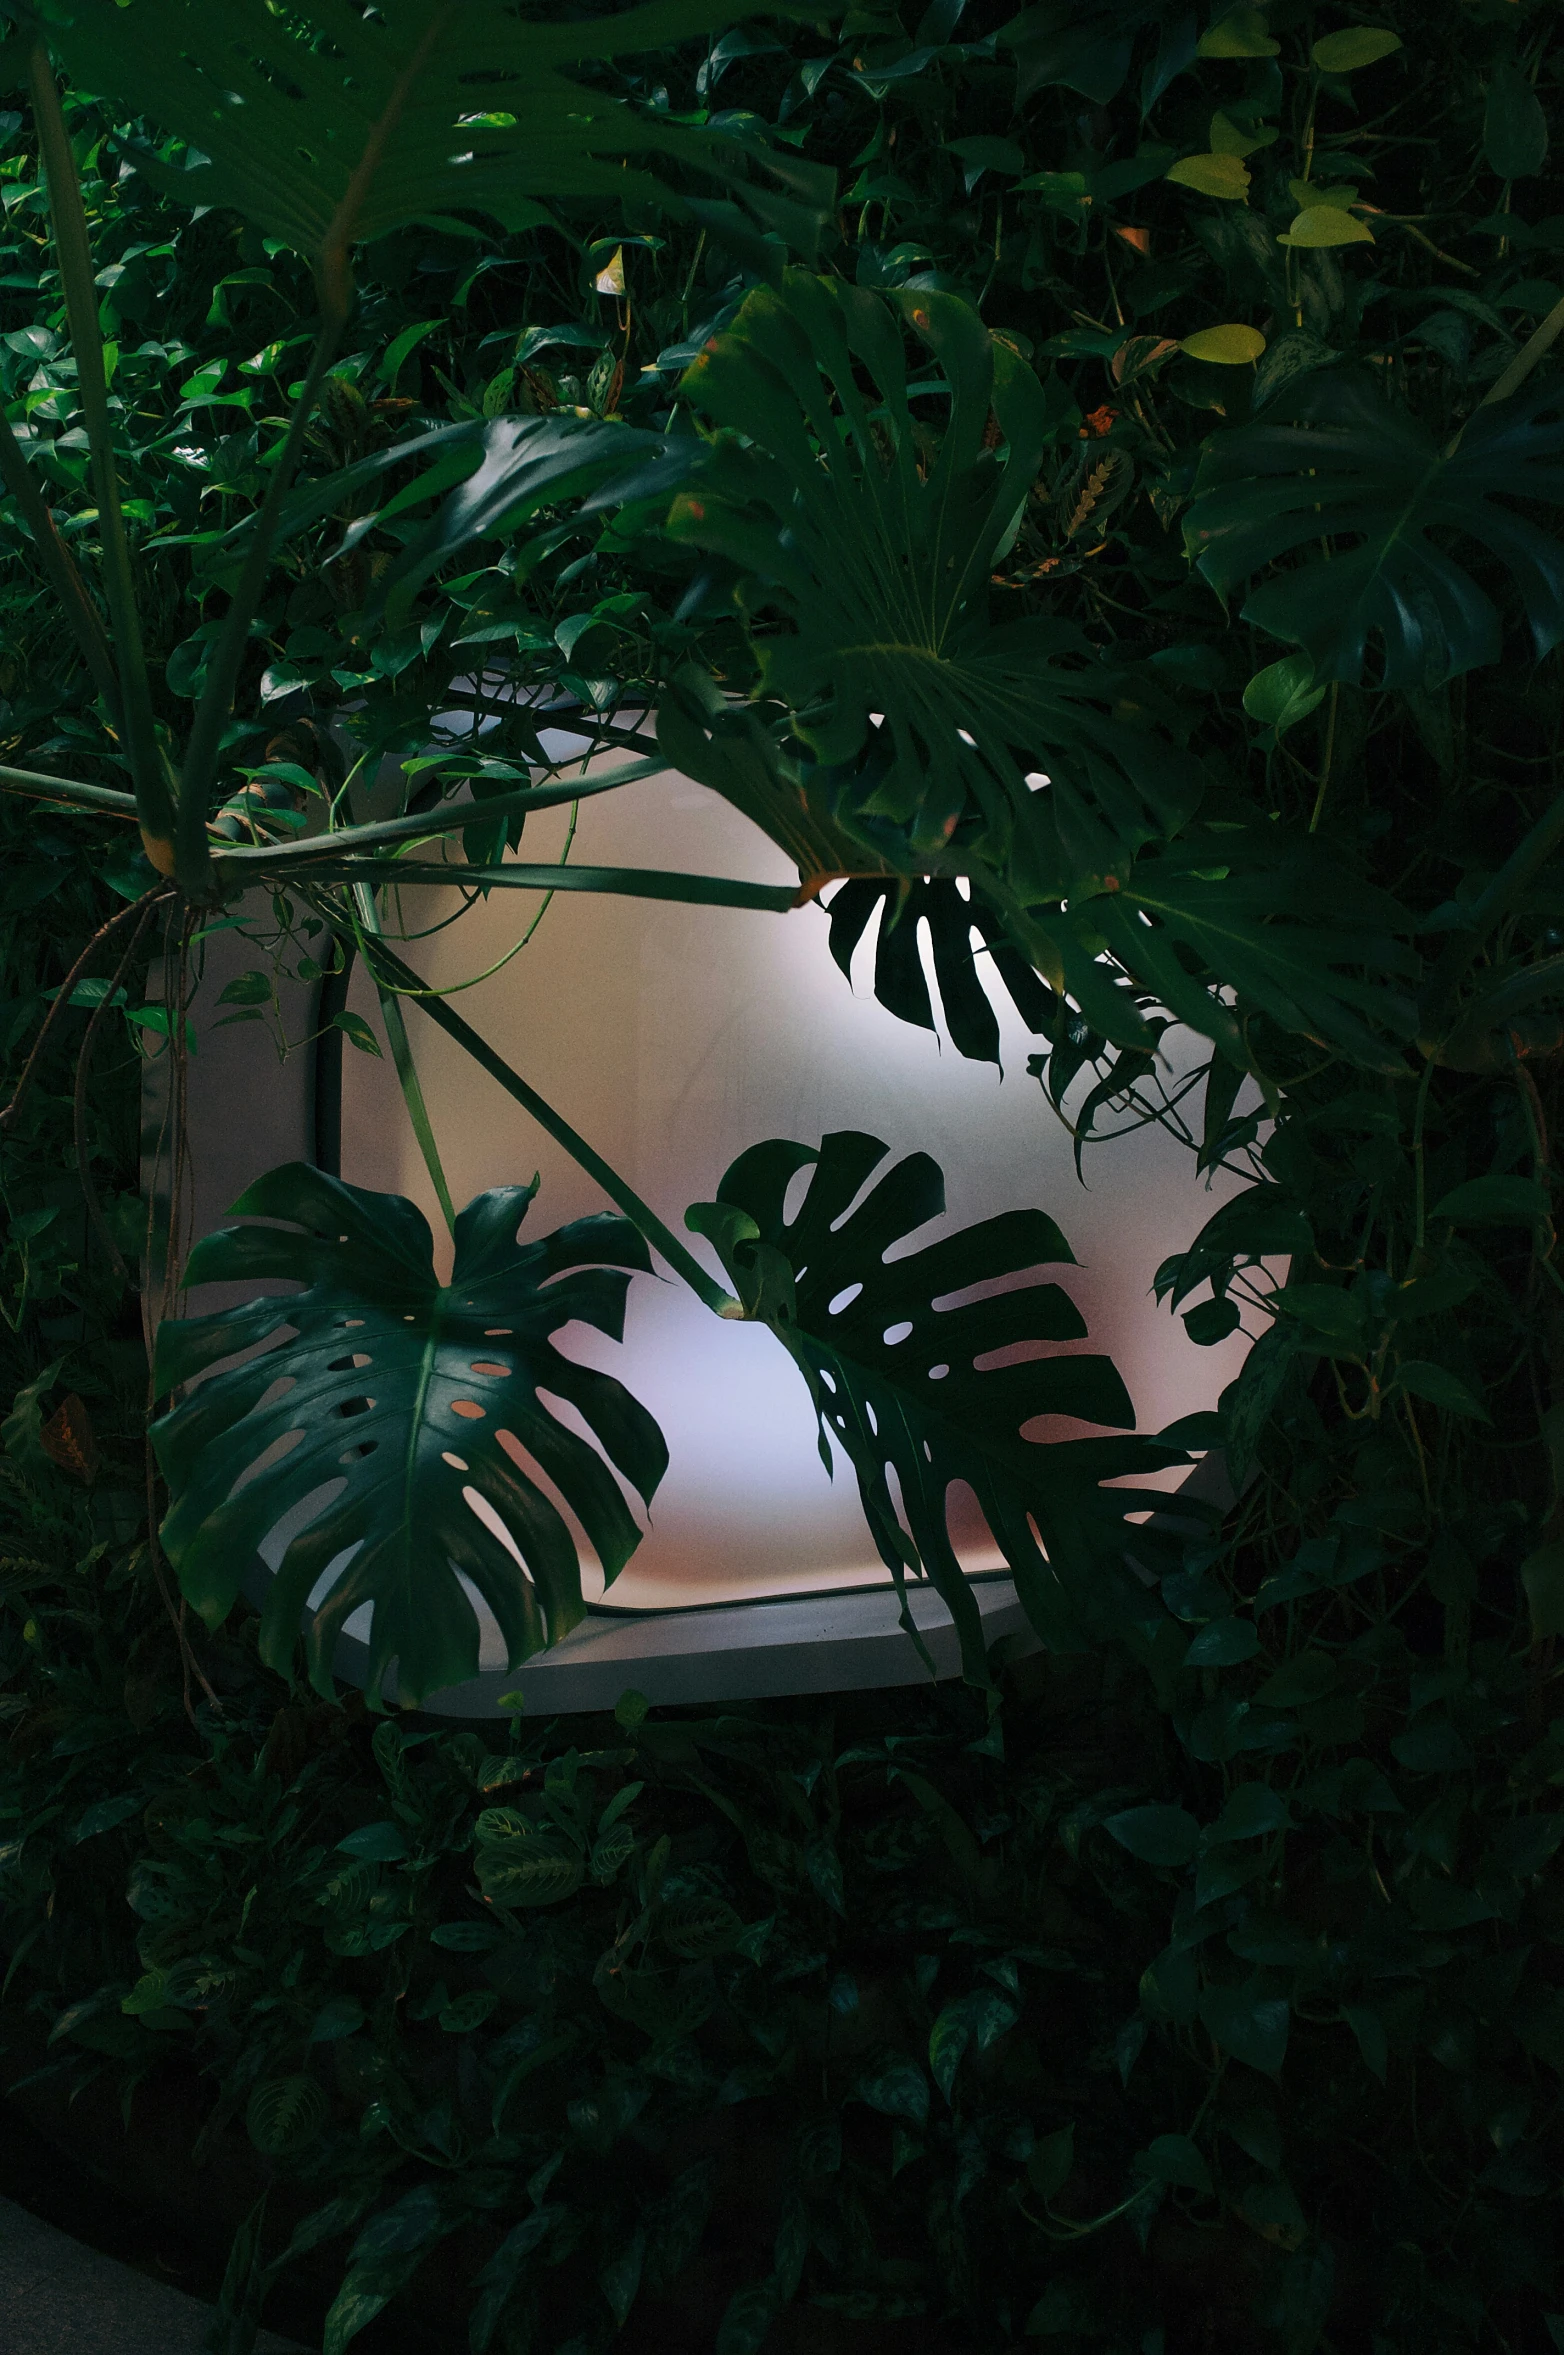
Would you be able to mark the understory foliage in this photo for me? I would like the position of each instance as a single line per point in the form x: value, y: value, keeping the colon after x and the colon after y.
x: 1085, y: 481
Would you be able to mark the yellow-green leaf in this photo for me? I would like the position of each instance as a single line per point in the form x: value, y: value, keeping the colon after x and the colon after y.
x: 1343, y: 53
x: 1542, y: 1575
x: 1242, y: 33
x: 1213, y: 175
x: 1307, y: 193
x: 1230, y: 138
x: 1327, y: 224
x: 1232, y: 346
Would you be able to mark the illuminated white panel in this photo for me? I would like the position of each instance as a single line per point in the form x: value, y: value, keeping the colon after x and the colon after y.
x: 675, y: 1037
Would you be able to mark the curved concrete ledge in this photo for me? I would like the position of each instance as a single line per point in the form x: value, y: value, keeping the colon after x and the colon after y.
x: 59, y: 2297
x: 815, y: 1643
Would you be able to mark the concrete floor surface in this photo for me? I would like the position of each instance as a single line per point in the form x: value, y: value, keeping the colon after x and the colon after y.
x: 58, y: 2297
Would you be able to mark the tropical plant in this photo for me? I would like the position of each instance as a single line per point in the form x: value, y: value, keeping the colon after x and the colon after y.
x: 1184, y: 389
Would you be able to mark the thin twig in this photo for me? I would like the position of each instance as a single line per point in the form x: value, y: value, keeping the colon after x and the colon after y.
x: 104, y: 1006
x: 8, y: 1114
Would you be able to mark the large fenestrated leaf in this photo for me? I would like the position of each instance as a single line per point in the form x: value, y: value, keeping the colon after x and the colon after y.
x: 895, y: 1360
x: 868, y: 526
x: 1270, y: 928
x: 1392, y: 504
x: 406, y: 1392
x: 971, y: 955
x: 329, y: 124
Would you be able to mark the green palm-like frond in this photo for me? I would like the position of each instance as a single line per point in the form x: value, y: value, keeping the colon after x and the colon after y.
x: 330, y: 124
x: 400, y: 1394
x: 896, y: 1364
x: 1374, y: 507
x: 869, y: 539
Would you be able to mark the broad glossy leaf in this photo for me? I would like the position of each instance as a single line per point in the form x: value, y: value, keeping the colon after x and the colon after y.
x: 1158, y: 1835
x: 1232, y: 346
x: 1360, y: 45
x: 402, y: 1394
x: 894, y: 1361
x: 328, y: 125
x: 1224, y: 176
x: 1515, y: 126
x: 970, y: 951
x: 1090, y: 47
x: 1327, y: 224
x: 1276, y: 924
x: 868, y: 564
x: 1388, y: 499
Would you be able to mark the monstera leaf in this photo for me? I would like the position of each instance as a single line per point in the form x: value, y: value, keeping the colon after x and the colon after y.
x: 399, y: 1398
x: 328, y: 124
x: 895, y: 1364
x: 970, y: 953
x: 873, y: 550
x: 1387, y: 500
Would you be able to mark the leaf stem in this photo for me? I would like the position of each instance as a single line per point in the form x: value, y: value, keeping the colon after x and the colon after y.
x: 66, y: 789
x: 1419, y: 1116
x: 1330, y: 747
x: 405, y: 981
x: 402, y: 1056
x: 1527, y: 357
x: 73, y: 251
x: 451, y: 818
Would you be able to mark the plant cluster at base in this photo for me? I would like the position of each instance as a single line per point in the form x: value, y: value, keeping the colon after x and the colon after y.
x: 1086, y: 486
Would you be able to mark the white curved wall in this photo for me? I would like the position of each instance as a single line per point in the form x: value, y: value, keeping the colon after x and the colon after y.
x: 674, y: 1037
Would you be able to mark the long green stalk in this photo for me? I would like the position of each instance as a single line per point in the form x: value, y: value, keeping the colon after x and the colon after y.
x: 554, y: 1124
x: 67, y: 792
x: 406, y: 1069
x: 701, y: 891
x: 74, y: 253
x: 449, y: 818
x: 60, y: 566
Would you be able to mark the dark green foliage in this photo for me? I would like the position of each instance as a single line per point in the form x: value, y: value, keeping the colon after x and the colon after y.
x: 400, y: 1395
x: 1208, y: 2001
x: 1338, y: 465
x: 893, y: 1359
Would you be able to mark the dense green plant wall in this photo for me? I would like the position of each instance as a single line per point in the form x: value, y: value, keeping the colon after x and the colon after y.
x: 1206, y: 1994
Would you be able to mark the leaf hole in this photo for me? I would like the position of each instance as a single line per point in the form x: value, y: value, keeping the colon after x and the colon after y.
x: 457, y: 1463
x: 938, y: 1373
x: 1037, y: 780
x: 497, y: 1332
x: 487, y: 1366
x: 468, y: 1409
x: 898, y: 1332
x: 843, y: 1299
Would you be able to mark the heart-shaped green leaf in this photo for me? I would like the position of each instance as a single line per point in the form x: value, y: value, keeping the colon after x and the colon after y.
x: 899, y: 1368
x: 1327, y: 224
x: 1226, y: 176
x: 402, y: 1396
x: 1358, y: 46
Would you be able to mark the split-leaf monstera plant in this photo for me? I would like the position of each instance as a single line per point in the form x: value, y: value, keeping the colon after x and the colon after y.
x: 868, y: 477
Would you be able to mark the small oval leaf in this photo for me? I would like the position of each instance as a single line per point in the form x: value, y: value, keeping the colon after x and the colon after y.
x: 1232, y: 346
x: 1358, y: 46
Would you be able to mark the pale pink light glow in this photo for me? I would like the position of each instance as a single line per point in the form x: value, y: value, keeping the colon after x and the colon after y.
x: 675, y: 1037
